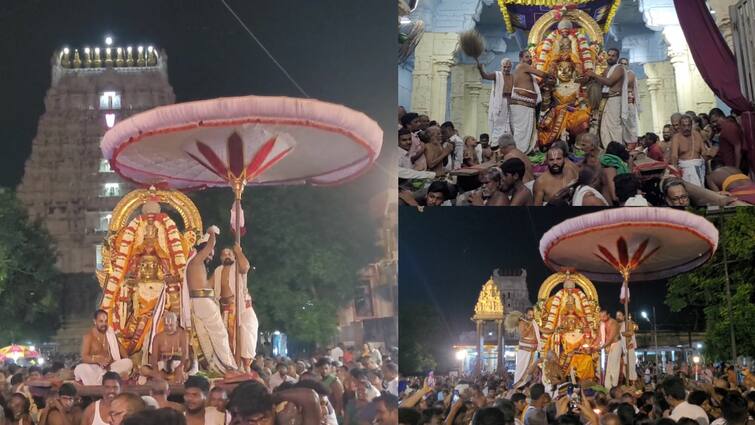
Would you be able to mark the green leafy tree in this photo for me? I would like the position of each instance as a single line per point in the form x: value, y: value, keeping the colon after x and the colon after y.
x: 307, y: 246
x: 420, y: 339
x: 30, y: 285
x: 702, y: 295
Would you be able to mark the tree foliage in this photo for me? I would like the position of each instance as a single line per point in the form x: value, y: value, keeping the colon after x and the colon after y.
x: 30, y: 285
x: 306, y: 244
x: 419, y: 338
x: 702, y: 293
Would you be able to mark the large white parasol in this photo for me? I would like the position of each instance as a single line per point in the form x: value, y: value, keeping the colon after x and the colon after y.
x: 239, y: 141
x: 642, y: 243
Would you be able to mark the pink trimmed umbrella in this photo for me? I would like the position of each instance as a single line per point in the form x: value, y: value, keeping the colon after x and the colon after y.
x: 240, y: 141
x: 643, y: 244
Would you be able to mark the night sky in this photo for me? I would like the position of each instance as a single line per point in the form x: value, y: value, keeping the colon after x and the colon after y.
x: 446, y: 255
x: 341, y: 51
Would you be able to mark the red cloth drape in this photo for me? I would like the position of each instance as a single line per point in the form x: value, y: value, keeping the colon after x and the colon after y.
x: 716, y: 63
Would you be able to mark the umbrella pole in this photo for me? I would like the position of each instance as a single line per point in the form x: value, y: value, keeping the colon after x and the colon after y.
x: 626, y: 323
x: 238, y: 189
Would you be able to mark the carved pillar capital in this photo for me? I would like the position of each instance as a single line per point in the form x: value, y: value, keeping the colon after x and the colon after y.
x: 654, y: 84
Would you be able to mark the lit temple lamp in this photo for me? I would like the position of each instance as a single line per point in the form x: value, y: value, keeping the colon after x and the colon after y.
x: 97, y: 62
x: 76, y: 59
x: 151, y: 57
x: 129, y: 56
x: 140, y: 61
x: 87, y: 57
x: 119, y: 57
x: 65, y: 61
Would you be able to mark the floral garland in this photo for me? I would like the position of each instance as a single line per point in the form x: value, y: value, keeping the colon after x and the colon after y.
x: 114, y: 292
x: 553, y: 308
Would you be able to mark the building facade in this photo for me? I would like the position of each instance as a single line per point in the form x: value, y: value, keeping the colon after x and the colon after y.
x: 67, y: 184
x: 372, y: 317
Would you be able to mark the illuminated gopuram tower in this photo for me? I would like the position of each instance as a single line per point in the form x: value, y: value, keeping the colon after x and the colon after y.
x: 67, y: 184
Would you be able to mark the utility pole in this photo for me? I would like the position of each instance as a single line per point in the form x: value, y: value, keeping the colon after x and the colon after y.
x: 728, y: 291
x: 721, y: 213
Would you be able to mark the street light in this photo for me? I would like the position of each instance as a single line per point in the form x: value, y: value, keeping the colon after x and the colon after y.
x: 644, y: 315
x: 460, y: 356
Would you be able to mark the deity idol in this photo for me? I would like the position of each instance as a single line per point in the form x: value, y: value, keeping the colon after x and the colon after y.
x: 142, y: 273
x: 575, y: 342
x: 569, y: 112
x: 568, y: 51
x: 568, y: 322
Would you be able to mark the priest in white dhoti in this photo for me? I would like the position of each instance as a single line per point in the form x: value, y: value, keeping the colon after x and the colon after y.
x: 611, y: 342
x: 529, y: 344
x: 615, y: 114
x: 499, y: 112
x: 525, y: 95
x: 205, y: 312
x: 630, y: 117
x: 101, y: 353
x: 224, y: 280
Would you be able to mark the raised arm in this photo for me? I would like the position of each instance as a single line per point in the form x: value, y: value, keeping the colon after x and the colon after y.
x: 241, y: 259
x: 615, y: 77
x: 414, y: 398
x: 207, y: 250
x: 483, y: 74
x: 534, y: 71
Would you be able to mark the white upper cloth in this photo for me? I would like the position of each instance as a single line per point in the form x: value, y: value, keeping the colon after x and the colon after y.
x: 276, y: 380
x: 97, y: 420
x: 336, y: 353
x: 580, y: 193
x: 687, y: 410
x: 392, y: 387
x: 404, y: 161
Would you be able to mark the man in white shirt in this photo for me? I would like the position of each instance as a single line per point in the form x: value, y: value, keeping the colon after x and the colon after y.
x: 449, y: 135
x: 336, y: 353
x: 390, y: 377
x: 673, y: 389
x: 280, y: 376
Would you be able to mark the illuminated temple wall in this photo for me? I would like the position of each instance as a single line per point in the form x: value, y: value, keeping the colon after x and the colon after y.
x: 446, y: 85
x: 66, y: 182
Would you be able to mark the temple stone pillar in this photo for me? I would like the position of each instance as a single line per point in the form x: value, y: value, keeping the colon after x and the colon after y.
x: 501, y: 362
x: 469, y: 101
x: 662, y: 92
x: 478, y: 361
x: 691, y: 91
x: 646, y: 113
x: 433, y: 61
x: 657, y: 118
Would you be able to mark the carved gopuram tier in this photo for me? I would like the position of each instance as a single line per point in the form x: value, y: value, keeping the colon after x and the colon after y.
x: 66, y: 182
